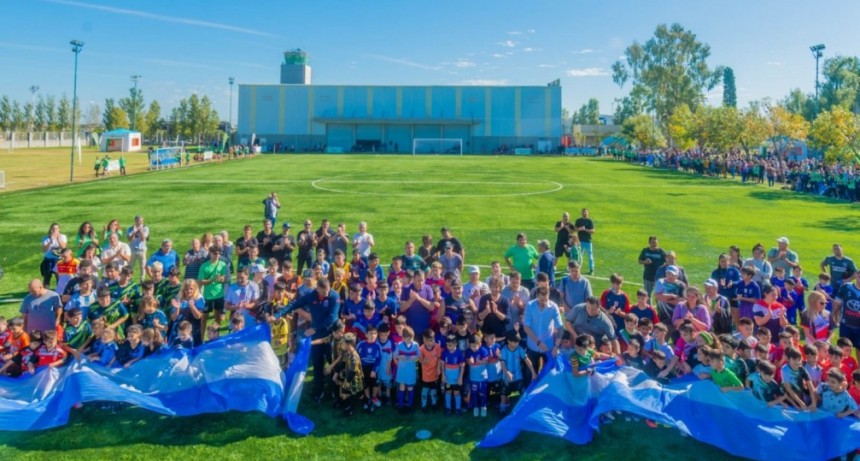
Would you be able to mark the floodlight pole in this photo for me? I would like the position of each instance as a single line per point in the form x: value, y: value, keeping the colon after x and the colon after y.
x: 77, y: 46
x: 817, y: 53
x: 231, y: 80
x: 33, y: 90
x: 134, y: 78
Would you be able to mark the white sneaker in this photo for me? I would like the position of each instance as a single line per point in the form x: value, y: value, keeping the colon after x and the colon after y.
x: 483, y: 411
x: 476, y: 412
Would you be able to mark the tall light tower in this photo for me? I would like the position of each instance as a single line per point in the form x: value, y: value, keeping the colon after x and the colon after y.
x: 134, y: 78
x: 817, y: 53
x: 33, y: 90
x: 231, y: 80
x: 77, y: 46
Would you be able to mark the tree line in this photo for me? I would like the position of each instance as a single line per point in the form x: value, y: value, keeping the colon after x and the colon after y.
x: 669, y: 77
x: 193, y: 118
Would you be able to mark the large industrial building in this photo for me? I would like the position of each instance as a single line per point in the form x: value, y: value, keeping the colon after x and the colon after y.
x: 297, y: 115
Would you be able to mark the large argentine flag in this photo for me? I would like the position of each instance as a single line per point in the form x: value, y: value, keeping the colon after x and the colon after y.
x: 236, y: 372
x: 563, y: 406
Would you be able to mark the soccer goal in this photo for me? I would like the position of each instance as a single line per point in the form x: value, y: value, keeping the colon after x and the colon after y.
x: 439, y: 146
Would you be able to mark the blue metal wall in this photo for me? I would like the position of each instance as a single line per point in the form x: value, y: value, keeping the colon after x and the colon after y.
x: 338, y: 115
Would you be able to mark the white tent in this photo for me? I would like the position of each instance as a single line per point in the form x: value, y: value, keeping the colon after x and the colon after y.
x: 120, y: 141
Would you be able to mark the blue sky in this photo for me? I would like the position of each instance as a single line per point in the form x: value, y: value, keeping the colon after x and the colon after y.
x: 181, y: 47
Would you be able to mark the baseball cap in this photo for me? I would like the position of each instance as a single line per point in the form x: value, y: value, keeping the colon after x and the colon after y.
x: 782, y: 240
x: 474, y: 270
x: 711, y: 283
x: 672, y: 270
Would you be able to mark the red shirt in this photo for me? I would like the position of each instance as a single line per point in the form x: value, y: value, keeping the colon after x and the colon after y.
x: 854, y: 392
x: 848, y: 366
x: 46, y: 357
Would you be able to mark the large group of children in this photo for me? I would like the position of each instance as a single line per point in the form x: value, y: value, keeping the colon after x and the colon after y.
x: 456, y: 365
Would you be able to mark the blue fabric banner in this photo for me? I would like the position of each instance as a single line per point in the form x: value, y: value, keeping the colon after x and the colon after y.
x: 235, y: 372
x: 560, y: 405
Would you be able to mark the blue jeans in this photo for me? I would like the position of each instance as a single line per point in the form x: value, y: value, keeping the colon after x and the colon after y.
x: 587, y: 248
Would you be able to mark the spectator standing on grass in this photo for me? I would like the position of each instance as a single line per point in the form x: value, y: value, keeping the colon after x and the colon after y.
x: 52, y: 246
x: 447, y: 238
x: 840, y: 267
x: 782, y: 256
x: 284, y: 244
x: 306, y: 240
x: 244, y: 244
x: 574, y: 288
x: 138, y: 235
x: 522, y: 258
x: 194, y: 258
x: 585, y: 229
x: 588, y: 318
x: 271, y: 205
x: 324, y: 235
x: 652, y: 257
x: 762, y: 267
x: 339, y: 241
x: 563, y: 229
x: 41, y: 309
x: 117, y: 253
x: 669, y: 291
x: 411, y: 260
x: 543, y: 325
x: 416, y: 303
x: 546, y: 262
x: 451, y: 261
x: 166, y: 255
x: 364, y: 242
x: 266, y: 240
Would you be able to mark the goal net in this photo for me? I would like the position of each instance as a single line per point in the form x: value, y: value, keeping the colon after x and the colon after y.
x: 165, y: 157
x: 453, y: 146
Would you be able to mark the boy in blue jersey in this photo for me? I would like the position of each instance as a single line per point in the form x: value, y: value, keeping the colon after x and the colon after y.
x: 834, y: 397
x: 353, y: 306
x: 494, y: 367
x: 513, y: 356
x: 132, y: 349
x: 385, y: 372
x: 445, y: 328
x: 368, y: 319
x: 184, y: 339
x: 370, y: 354
x: 454, y: 363
x: 106, y: 355
x: 406, y: 357
x: 387, y: 304
x: 477, y: 357
x: 796, y: 381
x: 747, y: 292
x: 824, y: 287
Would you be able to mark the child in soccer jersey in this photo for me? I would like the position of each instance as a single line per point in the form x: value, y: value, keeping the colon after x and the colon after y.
x: 131, y: 350
x: 816, y: 374
x: 153, y: 343
x: 387, y: 306
x: 370, y: 354
x: 49, y: 354
x: 22, y: 353
x: 834, y: 397
x: 77, y: 332
x: 106, y: 355
x: 745, y: 332
x: 684, y: 348
x: 151, y: 317
x: 796, y: 381
x: 632, y: 357
x: 565, y: 349
x: 446, y: 326
x: 703, y: 368
x: 854, y: 390
x: 395, y: 270
x: 836, y: 357
x: 406, y: 357
x: 386, y: 366
x: 350, y: 380
x: 763, y: 385
x: 848, y: 364
x: 629, y: 332
x: 213, y: 332
x: 429, y: 357
x: 453, y: 362
x: 645, y: 326
x: 494, y: 368
x: 615, y: 302
x: 582, y: 359
x: 183, y: 339
x: 5, y: 333
x: 399, y: 325
x: 368, y: 318
x: 513, y: 357
x: 733, y: 363
x: 723, y: 377
x: 658, y: 343
x: 461, y: 333
x: 477, y: 356
x: 793, y: 301
x: 657, y: 369
x: 237, y: 323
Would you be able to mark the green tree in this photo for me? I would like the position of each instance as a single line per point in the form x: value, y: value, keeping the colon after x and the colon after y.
x: 134, y: 107
x: 29, y: 115
x: 837, y: 131
x: 64, y: 114
x: 754, y: 129
x: 670, y: 69
x: 797, y: 102
x: 784, y: 127
x: 18, y: 118
x: 722, y: 127
x: 684, y: 127
x: 625, y: 108
x: 51, y: 120
x: 642, y: 131
x: 841, y: 85
x: 5, y: 113
x: 91, y: 122
x: 730, y: 94
x: 589, y: 113
x: 153, y: 114
x: 41, y: 115
x: 113, y: 117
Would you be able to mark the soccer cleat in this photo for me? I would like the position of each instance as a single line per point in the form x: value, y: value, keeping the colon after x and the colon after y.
x: 483, y: 412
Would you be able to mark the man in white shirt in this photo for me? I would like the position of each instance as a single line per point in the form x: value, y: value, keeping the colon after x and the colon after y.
x: 363, y: 240
x: 137, y: 236
x: 117, y: 252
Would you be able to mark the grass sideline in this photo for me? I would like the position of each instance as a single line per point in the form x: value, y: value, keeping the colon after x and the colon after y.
x: 485, y: 200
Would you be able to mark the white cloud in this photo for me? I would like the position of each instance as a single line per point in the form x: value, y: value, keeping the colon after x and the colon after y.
x: 547, y: 66
x: 775, y: 63
x: 162, y: 18
x: 588, y: 72
x: 529, y: 50
x: 463, y: 63
x: 583, y: 51
x: 499, y: 55
x: 531, y: 31
x: 484, y: 82
x: 508, y: 43
x: 515, y: 32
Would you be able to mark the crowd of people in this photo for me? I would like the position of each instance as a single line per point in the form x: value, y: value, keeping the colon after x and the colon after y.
x: 429, y: 327
x: 805, y: 175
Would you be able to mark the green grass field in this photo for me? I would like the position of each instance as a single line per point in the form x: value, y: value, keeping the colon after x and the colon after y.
x: 485, y: 200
